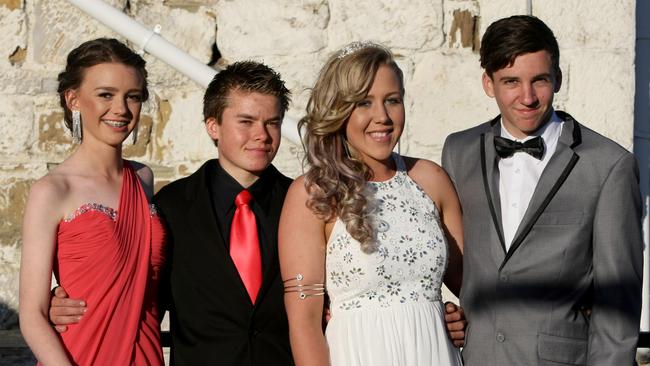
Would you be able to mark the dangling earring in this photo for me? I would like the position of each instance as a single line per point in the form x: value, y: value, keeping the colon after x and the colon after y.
x: 134, y: 134
x: 76, y: 126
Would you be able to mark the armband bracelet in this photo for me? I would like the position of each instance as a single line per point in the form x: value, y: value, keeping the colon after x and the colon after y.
x: 304, y: 290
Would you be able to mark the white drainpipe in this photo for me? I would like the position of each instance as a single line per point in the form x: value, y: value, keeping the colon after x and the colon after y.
x: 151, y: 42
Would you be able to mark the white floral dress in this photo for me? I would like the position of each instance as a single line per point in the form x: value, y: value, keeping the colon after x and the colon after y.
x: 386, y: 306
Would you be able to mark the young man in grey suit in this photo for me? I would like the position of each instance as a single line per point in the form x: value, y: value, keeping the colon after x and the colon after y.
x: 551, y: 211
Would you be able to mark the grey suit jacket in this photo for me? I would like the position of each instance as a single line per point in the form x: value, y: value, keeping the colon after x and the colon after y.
x: 578, y: 246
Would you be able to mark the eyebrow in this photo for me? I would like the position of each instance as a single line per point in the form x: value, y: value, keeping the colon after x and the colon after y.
x: 248, y: 116
x: 112, y: 89
x: 390, y: 94
x: 542, y: 75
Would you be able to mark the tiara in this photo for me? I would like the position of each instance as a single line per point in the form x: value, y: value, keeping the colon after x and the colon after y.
x: 354, y: 47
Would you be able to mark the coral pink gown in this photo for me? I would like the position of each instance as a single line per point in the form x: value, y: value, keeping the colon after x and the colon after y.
x: 112, y: 260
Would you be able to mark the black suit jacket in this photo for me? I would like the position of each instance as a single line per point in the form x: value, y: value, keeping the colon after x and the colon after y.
x: 212, y: 319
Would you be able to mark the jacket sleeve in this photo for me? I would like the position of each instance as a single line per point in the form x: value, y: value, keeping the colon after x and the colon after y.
x: 617, y: 267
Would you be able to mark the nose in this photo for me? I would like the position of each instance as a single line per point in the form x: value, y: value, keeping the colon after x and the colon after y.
x: 120, y: 107
x: 528, y: 95
x: 380, y: 114
x: 261, y: 133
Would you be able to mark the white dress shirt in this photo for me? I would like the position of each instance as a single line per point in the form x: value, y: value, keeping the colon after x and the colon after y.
x: 519, y: 174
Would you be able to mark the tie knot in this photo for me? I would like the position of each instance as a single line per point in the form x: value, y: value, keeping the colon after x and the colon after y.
x: 243, y: 198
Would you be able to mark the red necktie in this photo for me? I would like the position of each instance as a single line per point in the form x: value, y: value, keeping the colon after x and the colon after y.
x: 245, y: 245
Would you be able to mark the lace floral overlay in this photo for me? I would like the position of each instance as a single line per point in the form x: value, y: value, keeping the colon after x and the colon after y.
x: 98, y: 207
x: 411, y: 258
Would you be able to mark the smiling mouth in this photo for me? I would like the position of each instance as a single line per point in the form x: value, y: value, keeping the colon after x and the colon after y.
x: 380, y: 136
x: 115, y: 123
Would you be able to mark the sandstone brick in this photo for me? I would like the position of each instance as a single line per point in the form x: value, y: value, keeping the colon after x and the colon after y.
x: 462, y: 24
x: 580, y: 24
x: 446, y: 96
x: 16, y: 125
x: 601, y: 90
x: 11, y: 4
x: 248, y: 30
x: 13, y: 31
x: 142, y: 145
x: 52, y: 39
x: 184, y: 138
x: 415, y: 25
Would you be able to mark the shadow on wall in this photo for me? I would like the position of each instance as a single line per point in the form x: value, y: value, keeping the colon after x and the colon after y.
x: 13, y: 352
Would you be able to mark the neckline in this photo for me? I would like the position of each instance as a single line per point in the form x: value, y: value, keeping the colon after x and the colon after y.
x: 100, y: 207
x: 396, y: 180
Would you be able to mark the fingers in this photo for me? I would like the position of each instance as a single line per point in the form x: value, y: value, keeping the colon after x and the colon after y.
x: 66, y: 311
x: 65, y: 302
x: 459, y: 343
x: 450, y: 307
x: 59, y: 292
x: 456, y: 323
x: 60, y: 328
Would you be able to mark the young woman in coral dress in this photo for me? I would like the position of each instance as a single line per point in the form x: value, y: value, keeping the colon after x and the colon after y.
x: 89, y: 220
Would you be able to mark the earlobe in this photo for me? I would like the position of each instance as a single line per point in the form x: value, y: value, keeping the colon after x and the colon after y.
x: 212, y: 127
x: 488, y: 85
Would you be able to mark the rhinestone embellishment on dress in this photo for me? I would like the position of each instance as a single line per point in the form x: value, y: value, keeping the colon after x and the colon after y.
x: 92, y: 207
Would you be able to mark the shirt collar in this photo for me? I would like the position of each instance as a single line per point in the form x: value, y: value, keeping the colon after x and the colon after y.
x: 226, y: 188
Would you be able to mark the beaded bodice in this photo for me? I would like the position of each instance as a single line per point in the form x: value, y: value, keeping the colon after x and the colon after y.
x: 98, y: 207
x: 411, y: 256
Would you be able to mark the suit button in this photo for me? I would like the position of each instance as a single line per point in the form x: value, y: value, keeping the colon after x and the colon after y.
x: 500, y: 337
x: 503, y: 278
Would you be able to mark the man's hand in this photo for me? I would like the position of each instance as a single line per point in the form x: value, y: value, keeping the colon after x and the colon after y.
x: 64, y: 311
x: 456, y: 323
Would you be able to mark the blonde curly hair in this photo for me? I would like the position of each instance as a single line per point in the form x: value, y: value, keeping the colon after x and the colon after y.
x: 336, y: 180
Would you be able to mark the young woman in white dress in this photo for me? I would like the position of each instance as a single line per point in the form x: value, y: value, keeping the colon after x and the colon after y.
x: 374, y: 231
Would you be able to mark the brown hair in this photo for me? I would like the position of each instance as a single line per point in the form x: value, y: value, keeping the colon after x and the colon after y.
x: 95, y: 52
x: 510, y: 37
x: 248, y: 76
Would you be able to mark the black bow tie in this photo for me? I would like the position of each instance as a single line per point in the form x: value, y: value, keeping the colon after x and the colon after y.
x: 506, y: 147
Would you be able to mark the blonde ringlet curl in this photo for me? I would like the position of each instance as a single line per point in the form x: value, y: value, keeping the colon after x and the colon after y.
x: 335, y: 180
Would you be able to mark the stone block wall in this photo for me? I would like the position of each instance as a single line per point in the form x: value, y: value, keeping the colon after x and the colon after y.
x: 436, y: 42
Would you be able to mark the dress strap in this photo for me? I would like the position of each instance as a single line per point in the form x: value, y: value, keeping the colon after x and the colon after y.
x: 399, y: 162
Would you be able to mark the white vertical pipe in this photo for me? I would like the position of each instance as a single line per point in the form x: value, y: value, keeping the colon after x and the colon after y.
x: 151, y: 42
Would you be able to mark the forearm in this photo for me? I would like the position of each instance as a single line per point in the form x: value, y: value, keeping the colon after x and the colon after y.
x: 309, y: 346
x: 42, y: 339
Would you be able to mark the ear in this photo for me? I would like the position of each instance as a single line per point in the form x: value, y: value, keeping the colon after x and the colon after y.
x: 71, y: 99
x: 212, y: 127
x: 488, y: 85
x: 558, y: 81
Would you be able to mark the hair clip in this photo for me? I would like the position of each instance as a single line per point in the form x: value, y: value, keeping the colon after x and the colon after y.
x: 304, y: 291
x: 354, y: 47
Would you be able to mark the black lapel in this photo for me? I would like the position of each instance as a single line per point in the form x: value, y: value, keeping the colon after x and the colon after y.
x: 554, y: 175
x: 490, y: 172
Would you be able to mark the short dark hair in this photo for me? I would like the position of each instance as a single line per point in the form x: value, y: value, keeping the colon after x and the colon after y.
x: 508, y: 38
x: 95, y: 52
x: 247, y: 76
